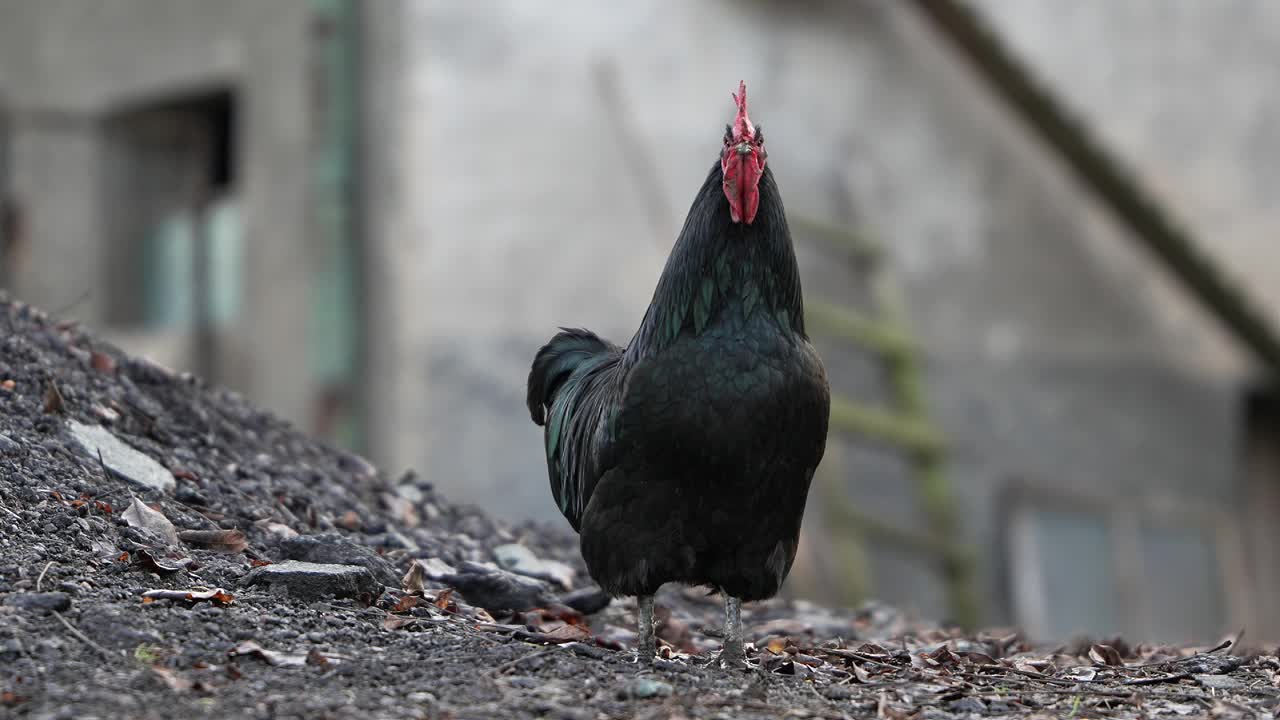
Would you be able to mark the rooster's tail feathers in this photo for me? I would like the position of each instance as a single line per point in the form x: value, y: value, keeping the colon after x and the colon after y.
x: 556, y: 361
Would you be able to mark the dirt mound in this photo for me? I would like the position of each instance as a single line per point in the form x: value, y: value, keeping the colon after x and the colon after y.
x: 167, y: 550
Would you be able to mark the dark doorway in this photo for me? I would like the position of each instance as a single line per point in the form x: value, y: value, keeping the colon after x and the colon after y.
x: 1261, y: 468
x: 175, y: 245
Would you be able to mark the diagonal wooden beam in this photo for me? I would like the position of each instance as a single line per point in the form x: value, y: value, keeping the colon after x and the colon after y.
x: 1104, y: 176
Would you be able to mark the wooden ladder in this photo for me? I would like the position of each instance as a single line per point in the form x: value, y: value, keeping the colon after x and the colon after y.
x: 904, y: 426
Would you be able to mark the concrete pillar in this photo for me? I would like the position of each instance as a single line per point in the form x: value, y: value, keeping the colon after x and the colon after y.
x: 275, y: 191
x: 393, y: 234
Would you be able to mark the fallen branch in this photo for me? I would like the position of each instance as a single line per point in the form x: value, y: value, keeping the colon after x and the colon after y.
x: 1174, y: 677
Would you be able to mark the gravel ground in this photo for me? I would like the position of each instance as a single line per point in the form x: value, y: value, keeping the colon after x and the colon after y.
x: 167, y: 550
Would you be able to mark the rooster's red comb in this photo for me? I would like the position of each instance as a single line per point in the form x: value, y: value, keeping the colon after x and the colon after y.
x: 742, y: 127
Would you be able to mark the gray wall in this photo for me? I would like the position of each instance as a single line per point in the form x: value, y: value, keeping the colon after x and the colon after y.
x: 1184, y: 91
x: 65, y: 64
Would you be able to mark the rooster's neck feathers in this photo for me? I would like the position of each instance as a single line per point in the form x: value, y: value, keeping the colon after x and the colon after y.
x: 721, y: 272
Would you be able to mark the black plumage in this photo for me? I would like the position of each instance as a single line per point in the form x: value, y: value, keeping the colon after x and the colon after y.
x: 687, y: 456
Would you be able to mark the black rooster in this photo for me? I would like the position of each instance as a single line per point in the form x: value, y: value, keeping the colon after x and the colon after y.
x: 687, y: 456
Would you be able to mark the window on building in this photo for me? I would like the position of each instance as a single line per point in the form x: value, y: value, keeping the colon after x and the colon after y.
x: 174, y: 261
x: 1082, y: 567
x: 1261, y: 470
x: 175, y: 254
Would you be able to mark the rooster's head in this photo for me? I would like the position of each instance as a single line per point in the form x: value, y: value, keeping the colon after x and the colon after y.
x: 742, y: 162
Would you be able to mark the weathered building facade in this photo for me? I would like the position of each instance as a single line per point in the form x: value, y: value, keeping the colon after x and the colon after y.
x: 168, y: 167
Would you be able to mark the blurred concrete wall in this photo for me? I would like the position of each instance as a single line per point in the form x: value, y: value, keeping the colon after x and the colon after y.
x: 1184, y: 91
x: 66, y: 66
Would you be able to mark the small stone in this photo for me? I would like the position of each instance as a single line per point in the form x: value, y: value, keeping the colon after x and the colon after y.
x: 642, y: 688
x: 10, y: 648
x: 588, y: 600
x: 48, y: 601
x: 497, y: 590
x: 190, y: 495
x: 837, y: 692
x: 556, y: 711
x: 967, y: 705
x: 315, y: 580
x: 353, y: 464
x: 122, y: 460
x: 9, y: 446
x: 519, y: 559
x: 1219, y: 682
x: 334, y: 549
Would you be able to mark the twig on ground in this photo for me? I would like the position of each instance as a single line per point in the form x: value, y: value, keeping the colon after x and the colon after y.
x: 84, y: 638
x: 1157, y: 680
x: 12, y: 514
x: 1203, y: 653
x: 853, y: 655
x: 1059, y: 682
x: 40, y: 580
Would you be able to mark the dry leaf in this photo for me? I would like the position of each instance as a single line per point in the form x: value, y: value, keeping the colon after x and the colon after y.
x: 102, y: 362
x: 315, y: 657
x: 175, y: 681
x: 978, y: 658
x: 350, y: 520
x: 395, y: 622
x: 53, y: 402
x: 249, y: 647
x: 140, y: 515
x: 161, y: 565
x: 566, y: 633
x: 415, y: 580
x: 223, y: 541
x: 875, y: 651
x: 942, y: 657
x: 1105, y: 655
x: 406, y: 603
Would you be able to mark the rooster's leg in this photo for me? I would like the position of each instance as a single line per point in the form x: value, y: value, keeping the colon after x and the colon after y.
x: 732, y: 651
x: 647, y: 645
